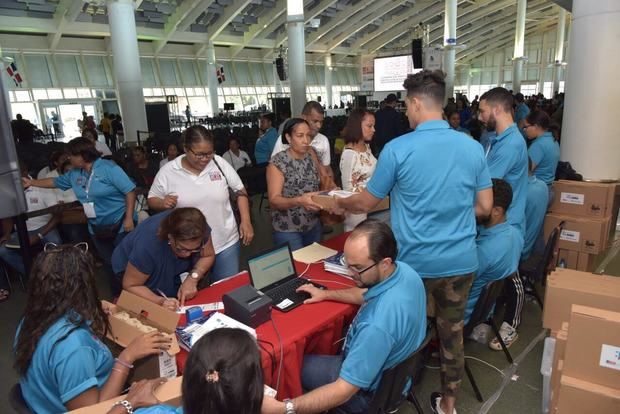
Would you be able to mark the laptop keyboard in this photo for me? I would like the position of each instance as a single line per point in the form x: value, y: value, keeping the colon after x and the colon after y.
x: 287, y: 291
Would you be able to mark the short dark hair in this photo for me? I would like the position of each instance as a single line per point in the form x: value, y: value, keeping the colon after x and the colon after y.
x: 498, y: 97
x: 290, y: 125
x: 519, y: 97
x: 84, y: 148
x: 195, y: 134
x: 391, y: 98
x: 381, y: 240
x: 353, y: 128
x: 232, y: 357
x: 92, y: 132
x: 502, y: 194
x: 139, y: 148
x: 427, y: 83
x: 312, y: 106
x: 539, y: 118
x: 269, y: 117
x: 185, y: 223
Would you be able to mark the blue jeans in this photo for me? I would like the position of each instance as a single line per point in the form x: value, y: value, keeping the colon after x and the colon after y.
x: 13, y: 257
x: 226, y: 263
x: 297, y: 240
x: 319, y: 370
x: 105, y: 248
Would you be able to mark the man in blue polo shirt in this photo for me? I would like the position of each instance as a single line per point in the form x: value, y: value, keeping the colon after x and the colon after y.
x: 506, y: 153
x: 499, y: 245
x: 438, y: 182
x: 264, y: 145
x: 389, y: 327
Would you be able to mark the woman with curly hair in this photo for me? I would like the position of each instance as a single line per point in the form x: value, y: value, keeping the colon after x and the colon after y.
x: 59, y: 356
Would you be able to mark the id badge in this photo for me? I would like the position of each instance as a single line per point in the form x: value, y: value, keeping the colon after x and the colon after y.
x: 89, y: 210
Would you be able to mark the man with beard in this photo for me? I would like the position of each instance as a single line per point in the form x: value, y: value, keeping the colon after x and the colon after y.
x: 506, y: 153
x: 499, y: 245
x: 389, y: 327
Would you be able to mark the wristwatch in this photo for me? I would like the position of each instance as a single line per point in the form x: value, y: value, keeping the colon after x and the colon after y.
x: 194, y: 275
x: 289, y: 407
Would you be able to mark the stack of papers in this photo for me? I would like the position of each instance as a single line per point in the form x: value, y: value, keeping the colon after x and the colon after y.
x: 188, y: 335
x: 336, y: 264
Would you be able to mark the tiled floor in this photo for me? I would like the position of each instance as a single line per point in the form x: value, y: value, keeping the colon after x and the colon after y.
x: 521, y: 393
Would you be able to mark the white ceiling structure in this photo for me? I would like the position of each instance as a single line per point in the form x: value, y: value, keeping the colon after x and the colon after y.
x: 347, y: 28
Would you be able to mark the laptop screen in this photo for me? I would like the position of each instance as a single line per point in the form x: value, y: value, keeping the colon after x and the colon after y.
x: 271, y: 267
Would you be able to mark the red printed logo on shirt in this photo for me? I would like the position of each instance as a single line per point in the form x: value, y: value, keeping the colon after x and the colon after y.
x: 215, y: 175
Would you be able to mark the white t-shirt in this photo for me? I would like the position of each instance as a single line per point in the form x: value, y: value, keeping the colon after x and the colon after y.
x: 103, y: 148
x: 67, y: 196
x: 163, y: 162
x: 320, y: 143
x: 38, y: 199
x: 207, y: 192
x: 43, y: 173
x: 243, y: 160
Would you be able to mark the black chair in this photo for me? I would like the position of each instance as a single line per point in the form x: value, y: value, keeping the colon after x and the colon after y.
x: 16, y: 399
x: 389, y: 395
x: 536, y: 267
x: 481, y: 314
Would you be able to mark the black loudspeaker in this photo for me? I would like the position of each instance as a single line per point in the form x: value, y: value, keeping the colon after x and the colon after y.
x: 12, y: 200
x: 281, y: 107
x: 281, y: 69
x: 360, y: 101
x: 157, y: 117
x: 416, y: 53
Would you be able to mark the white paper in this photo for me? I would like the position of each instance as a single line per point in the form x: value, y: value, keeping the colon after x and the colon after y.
x: 89, y: 210
x: 167, y: 365
x: 207, y: 307
x: 341, y: 193
x: 284, y: 304
x: 569, y: 235
x: 572, y: 198
x: 270, y: 392
x: 610, y: 357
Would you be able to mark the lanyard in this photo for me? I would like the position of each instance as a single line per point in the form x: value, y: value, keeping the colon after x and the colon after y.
x: 486, y: 153
x: 90, y: 179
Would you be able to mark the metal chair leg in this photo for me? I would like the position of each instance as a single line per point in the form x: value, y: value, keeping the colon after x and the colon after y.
x: 472, y: 381
x: 501, y: 341
x: 416, y: 403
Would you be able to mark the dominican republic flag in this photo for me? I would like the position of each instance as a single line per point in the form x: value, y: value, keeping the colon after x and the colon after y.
x: 220, y: 74
x: 14, y: 74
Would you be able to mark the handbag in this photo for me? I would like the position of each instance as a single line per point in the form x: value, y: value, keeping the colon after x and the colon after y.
x: 233, y: 196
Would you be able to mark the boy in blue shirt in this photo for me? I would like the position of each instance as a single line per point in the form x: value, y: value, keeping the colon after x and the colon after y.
x: 264, y: 145
x: 499, y: 245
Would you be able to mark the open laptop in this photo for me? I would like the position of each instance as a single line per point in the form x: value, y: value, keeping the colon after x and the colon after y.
x: 273, y: 273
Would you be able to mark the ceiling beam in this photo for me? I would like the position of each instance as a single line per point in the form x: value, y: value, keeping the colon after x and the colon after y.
x: 230, y: 12
x: 66, y: 13
x: 183, y: 16
x: 263, y: 22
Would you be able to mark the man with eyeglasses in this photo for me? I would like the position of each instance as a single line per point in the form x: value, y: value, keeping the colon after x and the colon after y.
x: 389, y: 327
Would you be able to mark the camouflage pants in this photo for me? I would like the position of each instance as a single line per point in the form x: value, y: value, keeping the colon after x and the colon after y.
x: 446, y: 298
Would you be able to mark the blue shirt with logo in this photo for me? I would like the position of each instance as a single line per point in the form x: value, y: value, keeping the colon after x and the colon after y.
x: 507, y: 159
x: 388, y: 328
x: 433, y: 175
x: 108, y: 187
x: 152, y: 256
x: 264, y: 146
x: 67, y: 361
x: 535, y: 210
x: 499, y: 249
x: 545, y: 154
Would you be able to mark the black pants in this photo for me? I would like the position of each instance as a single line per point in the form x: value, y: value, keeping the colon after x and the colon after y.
x: 512, y: 298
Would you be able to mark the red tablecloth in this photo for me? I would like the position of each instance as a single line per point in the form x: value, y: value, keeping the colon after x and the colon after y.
x: 308, y: 329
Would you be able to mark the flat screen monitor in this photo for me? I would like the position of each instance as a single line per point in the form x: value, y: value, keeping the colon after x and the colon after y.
x: 391, y: 72
x: 229, y: 106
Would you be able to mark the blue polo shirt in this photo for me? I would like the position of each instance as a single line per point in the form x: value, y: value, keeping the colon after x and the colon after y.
x: 389, y: 326
x: 264, y: 146
x: 152, y: 256
x: 545, y: 153
x: 67, y: 361
x: 499, y: 249
x: 433, y: 175
x: 507, y: 159
x: 107, y: 190
x: 535, y: 210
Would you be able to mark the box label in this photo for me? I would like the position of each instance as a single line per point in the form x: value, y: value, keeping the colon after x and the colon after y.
x: 572, y: 198
x: 610, y: 357
x: 167, y: 365
x: 570, y: 236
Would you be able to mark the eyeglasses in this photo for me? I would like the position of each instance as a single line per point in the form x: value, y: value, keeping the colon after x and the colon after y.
x: 360, y: 272
x: 183, y: 250
x: 201, y: 155
x: 526, y: 127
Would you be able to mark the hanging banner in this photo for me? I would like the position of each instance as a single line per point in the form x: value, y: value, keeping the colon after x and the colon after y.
x: 367, y: 72
x: 433, y: 57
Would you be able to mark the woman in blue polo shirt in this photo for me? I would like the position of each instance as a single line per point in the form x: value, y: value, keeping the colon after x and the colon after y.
x: 544, y: 152
x: 61, y: 361
x: 106, y: 193
x: 152, y: 257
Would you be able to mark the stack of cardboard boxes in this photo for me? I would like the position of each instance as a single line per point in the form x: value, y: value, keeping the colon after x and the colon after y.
x: 589, y: 212
x: 582, y: 310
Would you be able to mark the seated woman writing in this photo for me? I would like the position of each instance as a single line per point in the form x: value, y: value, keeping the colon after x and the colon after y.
x: 59, y: 356
x: 151, y: 259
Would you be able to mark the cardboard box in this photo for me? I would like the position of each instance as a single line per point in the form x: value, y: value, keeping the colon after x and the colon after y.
x: 578, y: 397
x: 558, y: 362
x: 151, y: 314
x: 567, y: 287
x: 586, y: 199
x: 593, y: 346
x: 167, y: 393
x: 580, y: 234
x: 584, y: 262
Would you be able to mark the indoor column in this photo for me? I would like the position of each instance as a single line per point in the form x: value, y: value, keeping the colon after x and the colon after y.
x: 328, y: 80
x: 559, y: 50
x: 212, y: 81
x: 518, y: 58
x: 449, y: 43
x: 296, y: 54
